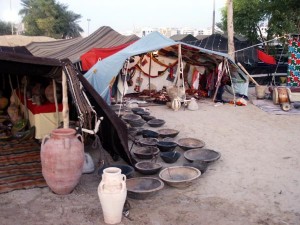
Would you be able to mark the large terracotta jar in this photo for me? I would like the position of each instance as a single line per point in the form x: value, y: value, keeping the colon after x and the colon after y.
x: 112, y: 193
x: 62, y: 158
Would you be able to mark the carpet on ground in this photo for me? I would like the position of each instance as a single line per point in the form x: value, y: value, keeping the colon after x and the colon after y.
x: 20, y: 165
x: 269, y: 107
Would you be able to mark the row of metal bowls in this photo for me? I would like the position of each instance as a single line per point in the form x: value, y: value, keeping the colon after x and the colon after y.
x: 176, y: 176
x: 137, y: 120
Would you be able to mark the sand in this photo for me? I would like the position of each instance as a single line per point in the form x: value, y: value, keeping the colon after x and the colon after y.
x: 256, y: 180
x: 21, y: 40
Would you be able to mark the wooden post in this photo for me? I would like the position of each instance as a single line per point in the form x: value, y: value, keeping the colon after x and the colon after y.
x: 230, y: 30
x: 65, y: 111
x: 55, y: 101
x: 246, y: 72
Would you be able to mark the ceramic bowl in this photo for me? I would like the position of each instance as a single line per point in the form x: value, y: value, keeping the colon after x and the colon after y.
x: 143, y: 187
x: 146, y: 152
x: 170, y: 157
x: 190, y: 143
x: 179, y: 176
x: 148, y: 168
x: 205, y: 155
x: 166, y: 146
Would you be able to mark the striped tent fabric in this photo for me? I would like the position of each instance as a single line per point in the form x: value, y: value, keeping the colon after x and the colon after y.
x: 104, y: 37
x: 44, y: 49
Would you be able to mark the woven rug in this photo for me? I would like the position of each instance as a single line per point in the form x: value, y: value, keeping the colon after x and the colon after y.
x: 269, y: 107
x: 20, y: 165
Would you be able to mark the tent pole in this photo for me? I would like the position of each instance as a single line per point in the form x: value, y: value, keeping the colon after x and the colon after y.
x: 150, y: 73
x: 65, y: 111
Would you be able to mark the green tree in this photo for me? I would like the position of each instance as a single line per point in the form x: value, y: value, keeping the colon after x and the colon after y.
x: 49, y: 18
x: 282, y: 17
x: 5, y: 28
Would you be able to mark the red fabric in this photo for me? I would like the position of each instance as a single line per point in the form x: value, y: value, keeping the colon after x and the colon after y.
x: 266, y: 58
x: 46, y: 107
x: 91, y: 57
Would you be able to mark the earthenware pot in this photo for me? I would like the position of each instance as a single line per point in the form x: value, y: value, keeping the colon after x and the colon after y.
x: 62, y: 158
x: 112, y: 193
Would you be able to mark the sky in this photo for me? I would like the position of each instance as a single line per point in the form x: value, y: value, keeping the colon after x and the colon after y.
x: 126, y: 15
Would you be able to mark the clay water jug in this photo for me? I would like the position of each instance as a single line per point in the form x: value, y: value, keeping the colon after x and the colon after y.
x: 112, y: 193
x: 193, y: 105
x: 176, y: 104
x: 62, y: 159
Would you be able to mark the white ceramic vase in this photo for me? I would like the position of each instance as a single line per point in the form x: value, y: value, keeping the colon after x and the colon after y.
x: 112, y: 193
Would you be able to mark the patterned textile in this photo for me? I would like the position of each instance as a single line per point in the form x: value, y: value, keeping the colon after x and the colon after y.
x: 20, y: 165
x: 293, y: 72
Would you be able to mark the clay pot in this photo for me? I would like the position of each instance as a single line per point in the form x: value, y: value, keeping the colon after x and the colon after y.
x: 62, y: 158
x: 193, y: 105
x: 112, y: 193
x: 176, y: 104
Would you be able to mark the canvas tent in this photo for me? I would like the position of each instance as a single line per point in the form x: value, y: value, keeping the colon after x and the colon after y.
x: 16, y: 64
x: 104, y: 37
x: 94, y: 55
x: 102, y: 74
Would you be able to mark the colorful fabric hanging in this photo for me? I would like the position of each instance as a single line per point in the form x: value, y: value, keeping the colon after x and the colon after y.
x: 293, y: 72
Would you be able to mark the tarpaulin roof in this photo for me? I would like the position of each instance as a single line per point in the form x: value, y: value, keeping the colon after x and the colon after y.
x: 94, y: 55
x: 23, y: 62
x: 104, y: 37
x: 219, y: 43
x: 102, y: 72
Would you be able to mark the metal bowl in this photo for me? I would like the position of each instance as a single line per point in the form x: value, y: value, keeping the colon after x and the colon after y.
x: 134, y: 110
x: 148, y: 117
x: 149, y: 134
x: 146, y: 152
x: 179, y: 176
x: 156, y: 122
x: 125, y: 169
x: 142, y: 113
x: 190, y: 143
x: 166, y: 146
x: 143, y: 187
x: 200, y: 165
x: 205, y: 155
x: 148, y: 168
x: 170, y: 157
x: 137, y: 123
x: 131, y: 117
x: 168, y: 133
x: 148, y: 141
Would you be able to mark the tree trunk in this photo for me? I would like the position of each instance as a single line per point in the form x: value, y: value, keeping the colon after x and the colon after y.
x: 230, y: 30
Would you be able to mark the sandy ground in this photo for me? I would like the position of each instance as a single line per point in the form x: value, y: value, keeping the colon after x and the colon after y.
x: 21, y: 40
x: 256, y: 180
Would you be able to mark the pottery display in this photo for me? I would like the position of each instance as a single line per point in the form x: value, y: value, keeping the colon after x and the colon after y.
x: 62, y: 159
x: 112, y: 194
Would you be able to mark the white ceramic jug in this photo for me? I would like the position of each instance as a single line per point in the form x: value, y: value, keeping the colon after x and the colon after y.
x: 112, y: 193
